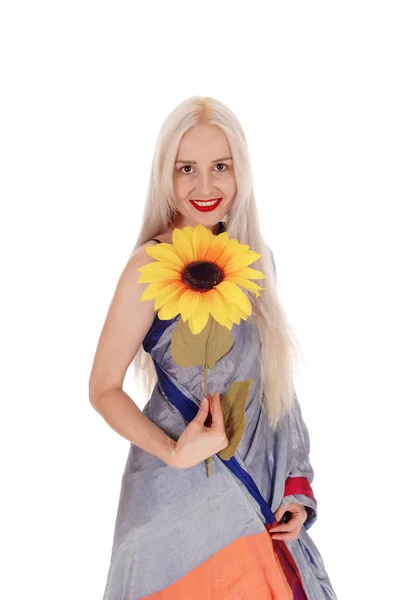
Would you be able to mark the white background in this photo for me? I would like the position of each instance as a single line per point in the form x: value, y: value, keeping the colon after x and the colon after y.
x: 85, y: 87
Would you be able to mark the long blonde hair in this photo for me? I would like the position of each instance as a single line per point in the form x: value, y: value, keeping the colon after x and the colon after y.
x: 278, y: 347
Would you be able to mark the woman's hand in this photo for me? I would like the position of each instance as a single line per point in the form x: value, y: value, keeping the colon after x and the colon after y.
x: 291, y: 529
x: 198, y: 441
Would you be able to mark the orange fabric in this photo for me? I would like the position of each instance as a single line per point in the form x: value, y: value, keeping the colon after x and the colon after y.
x: 246, y: 568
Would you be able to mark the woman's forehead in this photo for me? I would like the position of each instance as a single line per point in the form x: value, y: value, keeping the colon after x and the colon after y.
x: 204, y: 142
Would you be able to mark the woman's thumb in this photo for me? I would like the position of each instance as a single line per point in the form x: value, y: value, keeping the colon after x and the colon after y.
x: 203, y: 411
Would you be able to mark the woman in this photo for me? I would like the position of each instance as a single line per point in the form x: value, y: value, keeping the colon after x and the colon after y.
x: 180, y: 533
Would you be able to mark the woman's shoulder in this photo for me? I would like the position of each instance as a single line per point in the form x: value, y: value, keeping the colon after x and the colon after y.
x: 140, y: 252
x: 160, y: 238
x: 139, y: 257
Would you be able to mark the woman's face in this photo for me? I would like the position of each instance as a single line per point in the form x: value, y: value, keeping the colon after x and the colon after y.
x: 203, y: 173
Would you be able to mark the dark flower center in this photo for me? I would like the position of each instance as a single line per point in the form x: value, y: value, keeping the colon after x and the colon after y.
x: 202, y: 275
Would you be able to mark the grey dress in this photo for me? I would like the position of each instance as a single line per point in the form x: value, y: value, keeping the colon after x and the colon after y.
x: 170, y: 521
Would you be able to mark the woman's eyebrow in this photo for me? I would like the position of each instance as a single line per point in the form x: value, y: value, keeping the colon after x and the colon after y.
x: 193, y: 162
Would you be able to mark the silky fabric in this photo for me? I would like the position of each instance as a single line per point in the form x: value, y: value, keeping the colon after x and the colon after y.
x: 174, y: 526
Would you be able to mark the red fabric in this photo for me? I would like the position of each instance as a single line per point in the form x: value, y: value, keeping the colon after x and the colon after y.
x: 298, y: 485
x: 290, y: 569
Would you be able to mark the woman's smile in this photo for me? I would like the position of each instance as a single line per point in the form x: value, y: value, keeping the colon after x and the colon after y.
x: 206, y: 205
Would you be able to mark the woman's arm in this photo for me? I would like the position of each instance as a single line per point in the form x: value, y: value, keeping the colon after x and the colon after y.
x: 126, y: 324
x: 298, y: 483
x: 124, y: 416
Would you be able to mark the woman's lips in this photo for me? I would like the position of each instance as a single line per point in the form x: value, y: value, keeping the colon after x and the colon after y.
x: 207, y: 205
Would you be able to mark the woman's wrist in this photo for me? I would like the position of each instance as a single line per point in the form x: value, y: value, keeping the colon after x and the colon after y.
x: 166, y: 450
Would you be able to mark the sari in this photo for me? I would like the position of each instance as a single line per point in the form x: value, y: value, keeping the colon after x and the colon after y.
x: 180, y: 534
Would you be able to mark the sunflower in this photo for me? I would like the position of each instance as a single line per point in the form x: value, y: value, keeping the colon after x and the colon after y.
x: 198, y: 275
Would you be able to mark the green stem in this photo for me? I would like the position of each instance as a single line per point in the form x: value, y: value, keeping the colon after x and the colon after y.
x: 205, y: 371
x: 205, y: 378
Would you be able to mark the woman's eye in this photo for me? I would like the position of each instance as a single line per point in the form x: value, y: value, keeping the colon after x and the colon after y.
x: 187, y: 169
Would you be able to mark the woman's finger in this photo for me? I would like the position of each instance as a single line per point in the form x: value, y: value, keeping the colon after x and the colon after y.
x: 216, y: 411
x: 293, y: 535
x: 203, y: 410
x: 286, y: 527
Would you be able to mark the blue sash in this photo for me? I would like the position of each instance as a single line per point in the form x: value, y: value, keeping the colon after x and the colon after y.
x: 189, y: 410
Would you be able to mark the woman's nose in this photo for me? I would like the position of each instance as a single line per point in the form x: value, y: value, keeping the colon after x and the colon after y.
x: 205, y: 186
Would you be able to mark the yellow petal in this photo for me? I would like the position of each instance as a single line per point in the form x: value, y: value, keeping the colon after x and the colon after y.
x: 158, y: 264
x: 182, y: 245
x: 246, y: 283
x: 241, y: 260
x: 165, y: 254
x: 190, y: 303
x: 200, y: 241
x: 170, y: 291
x: 154, y: 266
x: 243, y: 315
x: 188, y: 231
x: 222, y: 310
x: 216, y: 306
x: 159, y: 274
x: 152, y: 289
x: 248, y: 272
x: 199, y: 321
x: 167, y: 312
x: 229, y: 251
x: 233, y: 293
x: 171, y: 308
x: 233, y: 311
x: 217, y: 244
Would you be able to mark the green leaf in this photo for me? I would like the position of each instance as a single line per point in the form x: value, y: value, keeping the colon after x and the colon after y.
x: 233, y: 405
x: 204, y: 348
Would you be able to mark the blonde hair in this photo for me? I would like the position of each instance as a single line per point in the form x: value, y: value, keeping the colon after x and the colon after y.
x: 278, y: 348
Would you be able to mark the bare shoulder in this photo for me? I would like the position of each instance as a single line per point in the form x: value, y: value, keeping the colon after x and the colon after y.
x: 139, y: 258
x: 126, y: 324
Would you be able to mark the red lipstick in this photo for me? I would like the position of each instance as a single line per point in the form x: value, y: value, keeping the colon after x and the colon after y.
x: 206, y: 205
